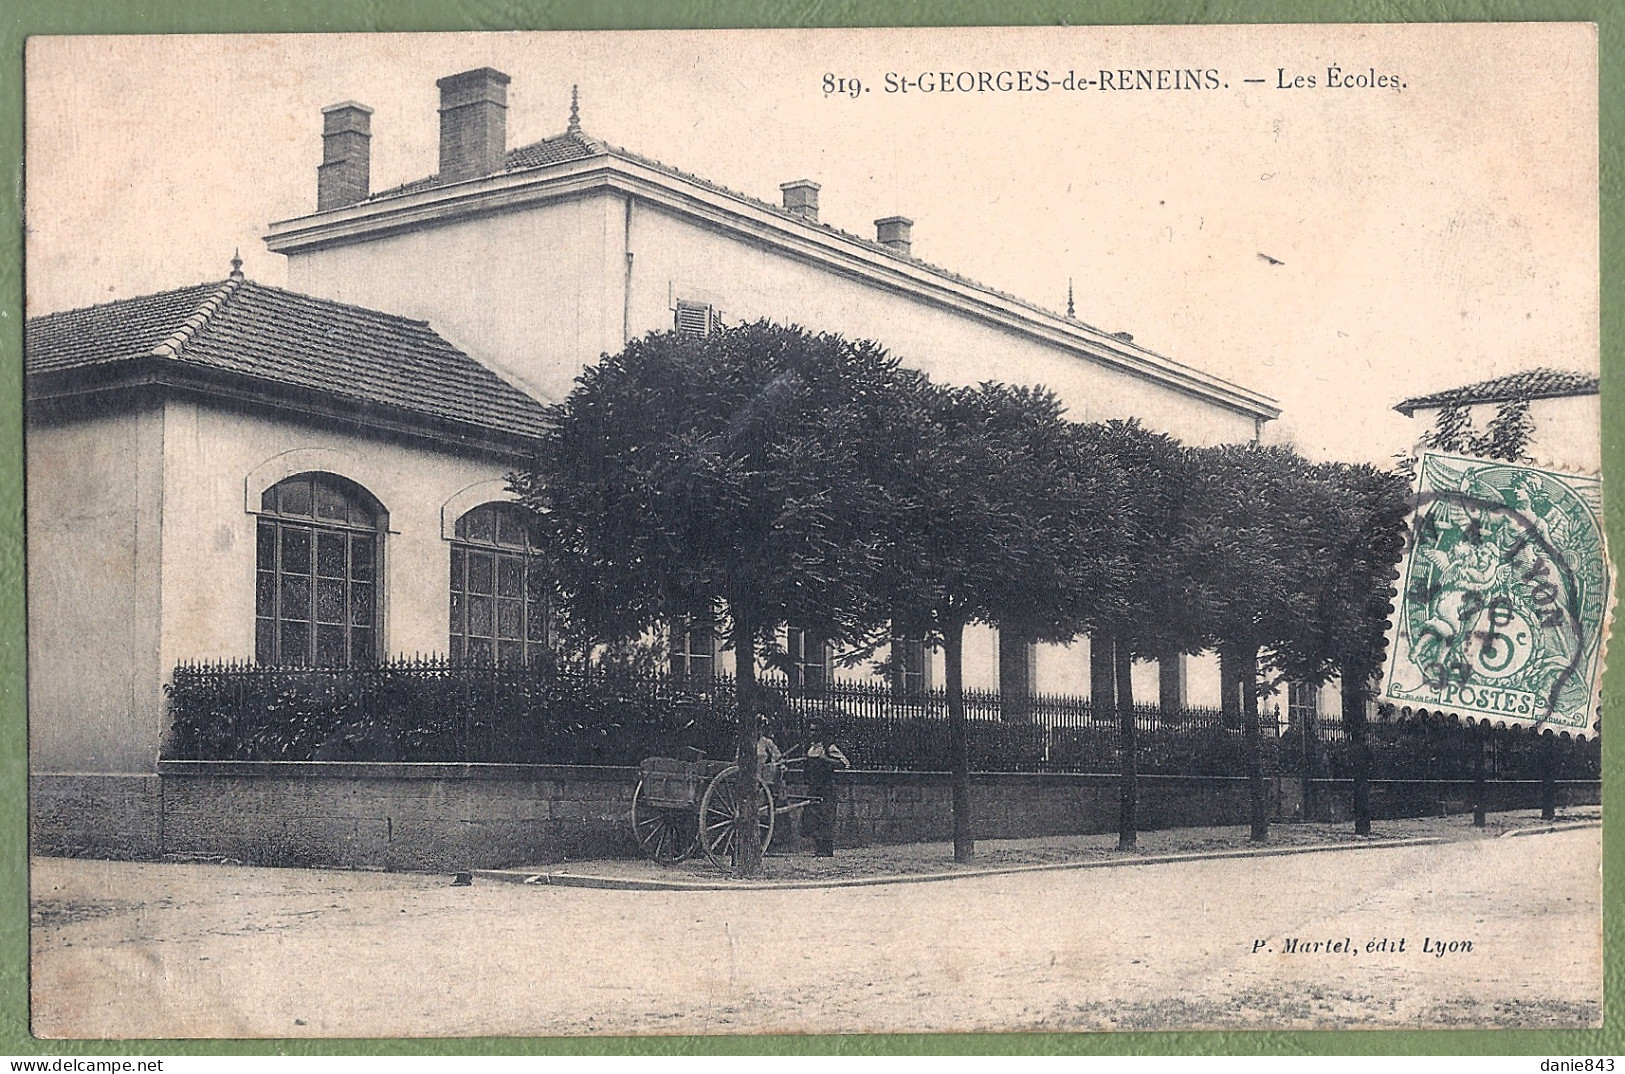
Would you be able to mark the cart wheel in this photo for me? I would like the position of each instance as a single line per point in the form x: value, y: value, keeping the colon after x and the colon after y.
x: 717, y: 828
x: 665, y: 836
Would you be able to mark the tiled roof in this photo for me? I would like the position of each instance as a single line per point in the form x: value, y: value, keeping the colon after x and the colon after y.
x: 362, y: 357
x: 1530, y: 384
x: 571, y: 145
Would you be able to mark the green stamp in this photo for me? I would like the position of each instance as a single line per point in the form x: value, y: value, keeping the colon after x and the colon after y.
x: 1503, y: 595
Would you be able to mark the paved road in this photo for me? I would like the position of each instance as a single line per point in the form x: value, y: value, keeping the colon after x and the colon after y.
x: 126, y: 949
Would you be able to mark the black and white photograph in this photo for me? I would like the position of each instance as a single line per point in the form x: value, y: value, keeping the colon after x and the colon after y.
x: 814, y: 531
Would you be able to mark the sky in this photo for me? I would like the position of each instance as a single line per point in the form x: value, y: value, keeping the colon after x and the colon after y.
x: 1337, y: 248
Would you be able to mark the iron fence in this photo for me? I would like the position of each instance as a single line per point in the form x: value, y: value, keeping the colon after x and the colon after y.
x: 433, y: 709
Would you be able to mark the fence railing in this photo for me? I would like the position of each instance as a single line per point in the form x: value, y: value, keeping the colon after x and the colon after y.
x: 438, y: 710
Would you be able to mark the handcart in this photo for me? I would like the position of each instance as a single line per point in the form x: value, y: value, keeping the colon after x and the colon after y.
x: 684, y: 806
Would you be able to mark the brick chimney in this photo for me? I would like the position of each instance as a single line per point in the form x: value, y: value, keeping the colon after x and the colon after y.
x: 801, y: 198
x: 895, y: 233
x: 473, y: 124
x: 344, y: 174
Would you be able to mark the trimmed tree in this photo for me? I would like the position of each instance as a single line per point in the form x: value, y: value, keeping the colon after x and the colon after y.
x: 1251, y: 544
x: 1140, y: 610
x: 730, y: 474
x: 1358, y: 603
x: 1002, y: 517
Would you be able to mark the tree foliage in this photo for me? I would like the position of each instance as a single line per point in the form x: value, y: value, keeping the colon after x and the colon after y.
x: 1003, y: 515
x: 771, y: 476
x: 736, y: 467
x: 1506, y: 436
x: 731, y: 475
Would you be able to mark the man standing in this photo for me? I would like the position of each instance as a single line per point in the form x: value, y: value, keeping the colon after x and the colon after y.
x: 823, y: 758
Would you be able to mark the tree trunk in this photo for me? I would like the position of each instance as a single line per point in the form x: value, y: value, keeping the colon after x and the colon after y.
x: 1549, y: 761
x: 747, y: 837
x: 1128, y: 767
x: 1171, y: 688
x: 1481, y: 733
x: 953, y: 653
x: 1255, y: 746
x: 1229, y: 689
x: 1309, y: 741
x: 1354, y: 725
x: 1102, y: 676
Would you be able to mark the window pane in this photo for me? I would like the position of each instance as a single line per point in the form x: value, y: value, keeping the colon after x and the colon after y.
x: 362, y: 648
x: 330, y: 555
x: 295, y: 597
x: 331, y: 502
x: 264, y: 593
x: 295, y: 496
x: 479, y: 616
x: 264, y: 641
x: 510, y: 652
x: 457, y: 561
x: 536, y: 621
x: 535, y: 584
x: 329, y: 600
x: 513, y: 528
x: 295, y: 643
x: 479, y: 650
x: 296, y: 549
x: 362, y: 515
x: 701, y: 667
x: 510, y: 619
x: 456, y: 613
x: 456, y: 647
x: 482, y: 524
x: 510, y: 576
x: 479, y: 572
x: 363, y: 557
x: 330, y: 650
x: 361, y: 612
x: 265, y: 554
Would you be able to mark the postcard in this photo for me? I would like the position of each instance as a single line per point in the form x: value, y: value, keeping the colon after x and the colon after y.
x: 828, y: 531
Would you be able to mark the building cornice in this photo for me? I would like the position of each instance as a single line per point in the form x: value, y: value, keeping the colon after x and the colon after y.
x: 69, y: 389
x: 755, y: 222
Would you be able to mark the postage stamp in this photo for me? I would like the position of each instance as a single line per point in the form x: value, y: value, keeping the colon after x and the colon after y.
x: 1502, y: 595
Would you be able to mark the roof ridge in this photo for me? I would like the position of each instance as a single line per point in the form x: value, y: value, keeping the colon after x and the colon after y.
x: 173, y: 344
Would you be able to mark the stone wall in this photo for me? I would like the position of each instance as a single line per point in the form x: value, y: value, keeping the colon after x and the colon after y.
x: 96, y: 815
x: 447, y: 817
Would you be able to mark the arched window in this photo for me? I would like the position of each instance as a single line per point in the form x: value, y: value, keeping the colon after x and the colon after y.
x: 498, y: 587
x: 318, y: 563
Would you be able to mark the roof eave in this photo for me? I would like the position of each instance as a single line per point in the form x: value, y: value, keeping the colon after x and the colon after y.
x: 1408, y: 407
x: 511, y: 191
x: 152, y: 371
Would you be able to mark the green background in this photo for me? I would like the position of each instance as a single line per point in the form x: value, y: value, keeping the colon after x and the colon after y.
x: 23, y: 18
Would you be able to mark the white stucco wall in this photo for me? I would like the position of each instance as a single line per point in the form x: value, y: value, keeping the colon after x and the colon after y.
x: 538, y: 293
x: 209, y: 524
x: 1567, y: 431
x: 95, y: 700
x: 533, y: 295
x: 674, y: 257
x: 141, y: 532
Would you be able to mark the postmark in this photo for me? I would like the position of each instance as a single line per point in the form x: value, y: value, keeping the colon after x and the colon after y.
x: 1503, y: 595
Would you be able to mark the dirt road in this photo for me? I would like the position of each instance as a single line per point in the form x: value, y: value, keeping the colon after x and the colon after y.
x: 123, y: 949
